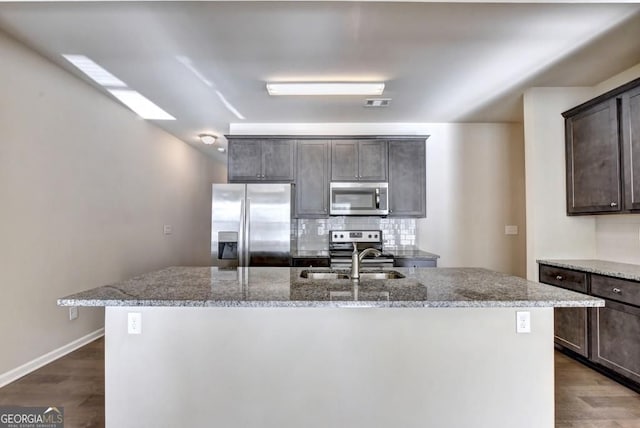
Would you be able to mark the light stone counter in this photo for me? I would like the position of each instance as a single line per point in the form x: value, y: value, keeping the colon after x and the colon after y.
x: 284, y: 287
x: 263, y: 347
x: 602, y: 267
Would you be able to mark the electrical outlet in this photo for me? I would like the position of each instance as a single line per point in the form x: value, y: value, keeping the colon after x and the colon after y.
x: 523, y: 322
x: 73, y: 313
x: 168, y: 230
x: 134, y: 323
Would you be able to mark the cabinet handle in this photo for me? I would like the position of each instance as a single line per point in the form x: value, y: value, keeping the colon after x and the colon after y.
x: 559, y: 278
x: 613, y: 204
x: 390, y: 211
x: 617, y: 290
x: 258, y: 175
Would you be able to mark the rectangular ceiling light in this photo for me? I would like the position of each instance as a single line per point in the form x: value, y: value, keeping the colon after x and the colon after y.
x: 94, y: 71
x: 325, y: 88
x: 141, y: 105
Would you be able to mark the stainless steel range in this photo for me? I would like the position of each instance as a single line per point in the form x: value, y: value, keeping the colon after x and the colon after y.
x: 341, y: 248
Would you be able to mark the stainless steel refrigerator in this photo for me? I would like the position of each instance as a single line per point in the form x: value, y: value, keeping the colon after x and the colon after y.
x: 251, y: 225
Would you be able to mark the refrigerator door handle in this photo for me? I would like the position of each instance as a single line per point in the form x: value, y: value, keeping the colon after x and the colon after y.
x: 247, y: 236
x: 241, y: 238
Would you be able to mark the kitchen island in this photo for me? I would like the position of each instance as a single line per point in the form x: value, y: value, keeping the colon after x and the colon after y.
x: 266, y: 347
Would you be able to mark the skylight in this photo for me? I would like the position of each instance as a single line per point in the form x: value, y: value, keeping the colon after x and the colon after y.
x: 140, y: 104
x: 132, y: 99
x: 94, y: 71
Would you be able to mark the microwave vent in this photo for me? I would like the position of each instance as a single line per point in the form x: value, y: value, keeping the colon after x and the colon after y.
x: 377, y: 102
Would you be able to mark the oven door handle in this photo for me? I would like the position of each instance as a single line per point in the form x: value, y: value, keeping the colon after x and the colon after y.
x: 377, y: 198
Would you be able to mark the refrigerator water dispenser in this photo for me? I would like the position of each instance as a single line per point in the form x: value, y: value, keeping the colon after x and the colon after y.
x: 228, y: 245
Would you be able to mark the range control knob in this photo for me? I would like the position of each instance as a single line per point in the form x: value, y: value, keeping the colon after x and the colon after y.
x: 369, y: 236
x: 342, y: 236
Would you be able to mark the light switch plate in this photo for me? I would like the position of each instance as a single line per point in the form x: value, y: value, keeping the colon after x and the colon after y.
x: 510, y: 229
x: 523, y: 322
x: 73, y: 313
x: 168, y: 230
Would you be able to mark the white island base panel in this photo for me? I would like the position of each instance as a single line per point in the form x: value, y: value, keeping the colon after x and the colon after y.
x: 329, y: 368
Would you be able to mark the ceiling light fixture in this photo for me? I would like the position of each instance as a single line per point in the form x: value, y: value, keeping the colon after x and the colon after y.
x: 140, y: 104
x: 208, y: 139
x: 325, y: 88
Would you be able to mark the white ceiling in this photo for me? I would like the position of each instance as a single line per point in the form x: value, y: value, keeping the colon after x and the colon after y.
x: 442, y: 62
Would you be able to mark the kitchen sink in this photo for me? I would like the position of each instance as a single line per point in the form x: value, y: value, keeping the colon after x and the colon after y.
x: 386, y: 274
x: 323, y: 275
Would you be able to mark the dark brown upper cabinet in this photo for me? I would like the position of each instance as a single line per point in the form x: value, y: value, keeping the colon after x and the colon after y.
x: 359, y: 160
x: 630, y: 120
x: 602, y: 148
x: 312, y: 184
x: 258, y: 160
x: 407, y: 178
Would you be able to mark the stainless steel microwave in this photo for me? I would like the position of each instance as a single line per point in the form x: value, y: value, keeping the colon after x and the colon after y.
x: 359, y: 198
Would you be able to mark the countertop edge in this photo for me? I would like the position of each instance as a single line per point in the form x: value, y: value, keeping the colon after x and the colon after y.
x: 591, y: 303
x: 581, y: 265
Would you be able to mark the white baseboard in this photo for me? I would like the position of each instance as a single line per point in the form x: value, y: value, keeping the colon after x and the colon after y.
x: 25, y: 369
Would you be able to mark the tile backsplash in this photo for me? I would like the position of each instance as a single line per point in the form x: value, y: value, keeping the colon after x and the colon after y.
x: 313, y: 234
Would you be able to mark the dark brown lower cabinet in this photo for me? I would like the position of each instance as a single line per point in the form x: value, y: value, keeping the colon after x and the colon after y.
x: 607, y: 338
x: 615, y: 338
x: 571, y: 329
x: 570, y: 324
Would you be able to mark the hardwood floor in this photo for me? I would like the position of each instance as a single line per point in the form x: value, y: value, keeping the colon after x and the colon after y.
x: 584, y: 398
x: 587, y: 399
x: 75, y: 382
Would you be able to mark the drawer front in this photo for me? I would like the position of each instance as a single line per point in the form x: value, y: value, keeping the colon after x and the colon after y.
x: 565, y: 278
x: 616, y: 289
x: 414, y: 263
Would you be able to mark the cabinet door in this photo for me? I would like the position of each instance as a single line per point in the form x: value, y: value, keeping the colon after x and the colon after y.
x: 570, y: 329
x: 372, y: 160
x: 312, y: 183
x: 245, y: 160
x: 570, y: 324
x: 278, y: 160
x: 344, y: 160
x: 407, y: 179
x: 631, y: 147
x: 593, y: 160
x: 615, y: 335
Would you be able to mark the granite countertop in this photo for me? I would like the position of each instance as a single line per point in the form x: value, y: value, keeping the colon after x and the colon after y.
x: 283, y: 287
x: 602, y: 267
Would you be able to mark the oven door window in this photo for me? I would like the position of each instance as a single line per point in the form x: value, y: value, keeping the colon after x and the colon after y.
x: 353, y: 200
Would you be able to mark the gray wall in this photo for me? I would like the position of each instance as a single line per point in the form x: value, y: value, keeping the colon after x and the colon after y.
x: 328, y: 367
x: 85, y: 189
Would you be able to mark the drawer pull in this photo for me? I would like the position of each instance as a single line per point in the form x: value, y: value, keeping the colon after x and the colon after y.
x: 559, y: 278
x: 617, y: 290
x: 613, y: 204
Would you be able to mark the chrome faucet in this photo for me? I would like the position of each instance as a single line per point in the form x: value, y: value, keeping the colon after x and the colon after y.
x: 357, y: 258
